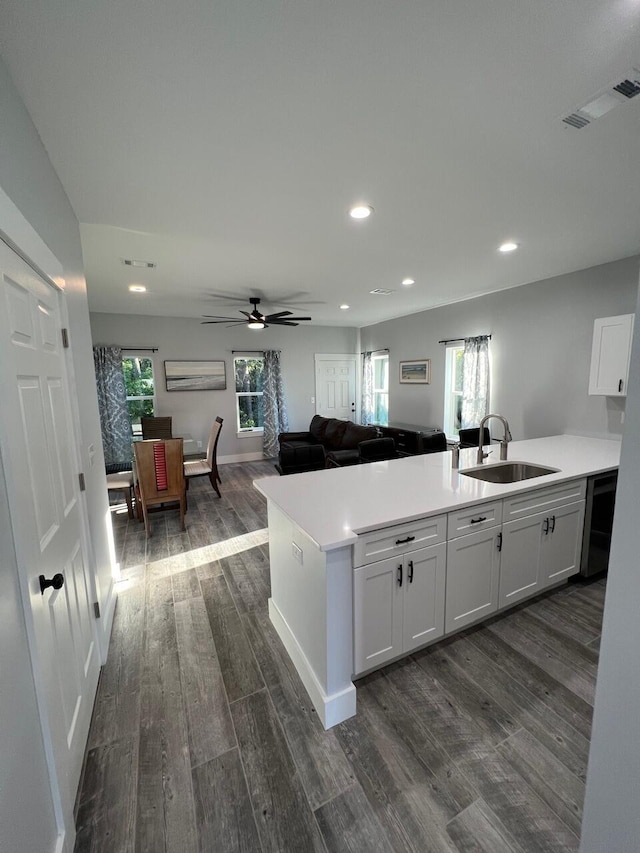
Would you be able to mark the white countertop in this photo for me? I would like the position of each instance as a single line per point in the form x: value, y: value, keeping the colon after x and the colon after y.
x: 334, y: 505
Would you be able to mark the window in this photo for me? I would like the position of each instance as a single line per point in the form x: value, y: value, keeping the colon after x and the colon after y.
x: 380, y: 389
x: 454, y: 364
x: 248, y: 371
x: 139, y: 385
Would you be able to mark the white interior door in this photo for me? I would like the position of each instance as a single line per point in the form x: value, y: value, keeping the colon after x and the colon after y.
x: 47, y: 517
x: 336, y: 386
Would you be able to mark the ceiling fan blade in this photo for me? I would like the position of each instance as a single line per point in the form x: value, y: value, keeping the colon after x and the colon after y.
x: 217, y: 317
x: 280, y: 314
x: 298, y: 318
x: 223, y: 320
x: 283, y: 323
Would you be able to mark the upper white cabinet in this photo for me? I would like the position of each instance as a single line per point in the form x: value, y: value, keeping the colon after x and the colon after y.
x: 610, y: 355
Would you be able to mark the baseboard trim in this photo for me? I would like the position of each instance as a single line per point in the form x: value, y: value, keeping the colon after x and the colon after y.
x: 331, y: 709
x: 254, y: 456
x: 107, y: 622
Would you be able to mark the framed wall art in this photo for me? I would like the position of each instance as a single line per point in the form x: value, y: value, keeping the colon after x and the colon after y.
x: 195, y: 375
x: 416, y: 372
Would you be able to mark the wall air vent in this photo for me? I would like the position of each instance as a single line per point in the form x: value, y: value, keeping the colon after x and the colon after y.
x: 614, y: 95
x: 380, y: 291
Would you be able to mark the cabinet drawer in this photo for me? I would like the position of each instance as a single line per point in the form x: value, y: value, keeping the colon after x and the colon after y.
x: 389, y: 541
x: 541, y: 500
x: 474, y: 518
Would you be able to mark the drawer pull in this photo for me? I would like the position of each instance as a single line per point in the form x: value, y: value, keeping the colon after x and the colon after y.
x: 553, y: 523
x: 410, y: 571
x: 404, y: 541
x: 499, y: 543
x: 545, y: 529
x: 478, y: 520
x: 400, y: 575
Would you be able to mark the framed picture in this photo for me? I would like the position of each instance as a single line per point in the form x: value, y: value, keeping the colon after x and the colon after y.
x: 416, y: 372
x: 195, y: 375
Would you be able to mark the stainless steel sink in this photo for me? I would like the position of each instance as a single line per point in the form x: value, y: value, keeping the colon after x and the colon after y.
x: 508, y: 472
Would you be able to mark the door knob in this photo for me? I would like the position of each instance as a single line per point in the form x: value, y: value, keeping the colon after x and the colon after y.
x: 57, y: 582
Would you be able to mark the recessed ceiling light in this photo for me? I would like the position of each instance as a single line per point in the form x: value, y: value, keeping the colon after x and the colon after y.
x: 129, y: 262
x: 509, y: 246
x: 408, y: 281
x: 360, y: 211
x: 345, y: 307
x: 137, y: 288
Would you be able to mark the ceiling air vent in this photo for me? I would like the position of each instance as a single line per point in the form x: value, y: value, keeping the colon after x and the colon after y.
x: 628, y: 88
x: 614, y: 95
x: 576, y: 120
x: 380, y: 291
x: 130, y: 262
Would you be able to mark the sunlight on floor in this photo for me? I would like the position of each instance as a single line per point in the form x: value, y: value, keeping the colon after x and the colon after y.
x: 194, y: 558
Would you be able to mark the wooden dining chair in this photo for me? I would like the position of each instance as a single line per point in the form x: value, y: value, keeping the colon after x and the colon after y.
x: 122, y: 481
x: 208, y: 466
x: 153, y: 427
x: 160, y: 477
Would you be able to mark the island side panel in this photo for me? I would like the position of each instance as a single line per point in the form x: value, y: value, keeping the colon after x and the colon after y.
x: 311, y: 609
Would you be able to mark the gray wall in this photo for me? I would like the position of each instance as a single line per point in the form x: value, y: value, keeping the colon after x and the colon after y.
x: 540, y: 351
x: 183, y: 339
x: 611, y: 813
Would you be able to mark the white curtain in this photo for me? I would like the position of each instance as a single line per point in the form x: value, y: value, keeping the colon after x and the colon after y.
x: 367, y: 403
x: 275, y: 406
x: 475, y: 381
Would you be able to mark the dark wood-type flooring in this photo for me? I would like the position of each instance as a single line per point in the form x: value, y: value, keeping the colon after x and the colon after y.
x: 203, y: 738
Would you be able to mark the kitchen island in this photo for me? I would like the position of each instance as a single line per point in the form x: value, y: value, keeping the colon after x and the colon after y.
x: 370, y: 562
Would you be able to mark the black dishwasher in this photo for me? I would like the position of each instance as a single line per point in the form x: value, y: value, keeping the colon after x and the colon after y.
x: 598, y: 522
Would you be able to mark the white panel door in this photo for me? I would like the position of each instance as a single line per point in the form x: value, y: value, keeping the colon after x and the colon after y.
x: 425, y: 573
x: 377, y: 613
x: 520, y: 559
x: 610, y: 354
x: 47, y: 517
x: 561, y: 547
x: 473, y: 574
x: 336, y: 386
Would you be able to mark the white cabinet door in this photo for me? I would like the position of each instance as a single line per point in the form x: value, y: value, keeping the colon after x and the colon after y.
x: 425, y: 572
x: 473, y: 573
x: 560, y: 552
x: 520, y: 559
x: 377, y: 613
x: 610, y: 355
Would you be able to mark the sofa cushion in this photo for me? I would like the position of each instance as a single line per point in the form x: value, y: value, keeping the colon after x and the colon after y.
x: 318, y: 427
x: 355, y: 433
x: 340, y: 458
x: 334, y: 433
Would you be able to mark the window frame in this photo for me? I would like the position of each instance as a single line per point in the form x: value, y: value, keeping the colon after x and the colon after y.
x: 131, y: 355
x: 450, y: 392
x: 245, y: 432
x: 383, y: 391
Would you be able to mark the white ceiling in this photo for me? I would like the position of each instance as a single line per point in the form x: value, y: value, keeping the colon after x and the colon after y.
x: 225, y: 141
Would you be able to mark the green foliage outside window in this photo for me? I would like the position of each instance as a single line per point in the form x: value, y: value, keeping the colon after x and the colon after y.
x: 248, y: 376
x: 138, y: 382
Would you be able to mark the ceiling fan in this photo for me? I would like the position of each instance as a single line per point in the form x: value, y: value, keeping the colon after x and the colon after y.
x: 256, y: 319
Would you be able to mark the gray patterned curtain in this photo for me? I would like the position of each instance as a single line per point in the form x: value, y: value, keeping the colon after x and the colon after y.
x: 275, y: 407
x: 112, y: 403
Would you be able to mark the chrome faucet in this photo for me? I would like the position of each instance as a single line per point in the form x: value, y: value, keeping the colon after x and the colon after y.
x: 506, y: 438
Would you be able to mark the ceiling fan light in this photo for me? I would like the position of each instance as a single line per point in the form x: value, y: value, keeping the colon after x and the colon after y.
x: 255, y: 324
